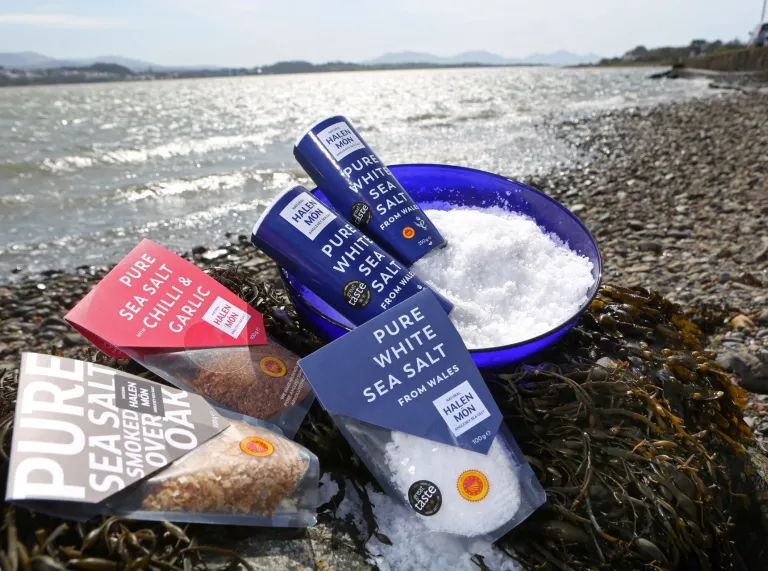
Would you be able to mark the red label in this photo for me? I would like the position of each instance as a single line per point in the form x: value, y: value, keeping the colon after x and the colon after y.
x: 154, y: 299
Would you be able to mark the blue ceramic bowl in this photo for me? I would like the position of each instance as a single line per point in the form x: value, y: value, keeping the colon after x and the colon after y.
x: 446, y: 187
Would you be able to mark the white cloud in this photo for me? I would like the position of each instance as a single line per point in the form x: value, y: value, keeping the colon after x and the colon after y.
x: 64, y: 21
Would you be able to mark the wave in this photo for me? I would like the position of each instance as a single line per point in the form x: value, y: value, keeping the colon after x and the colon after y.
x: 14, y: 199
x: 128, y: 156
x: 268, y: 180
x: 426, y: 117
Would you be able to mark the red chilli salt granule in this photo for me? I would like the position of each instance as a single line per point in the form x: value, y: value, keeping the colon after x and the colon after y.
x: 259, y: 381
x: 243, y: 470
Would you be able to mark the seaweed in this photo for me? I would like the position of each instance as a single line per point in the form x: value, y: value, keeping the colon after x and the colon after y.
x: 635, y: 432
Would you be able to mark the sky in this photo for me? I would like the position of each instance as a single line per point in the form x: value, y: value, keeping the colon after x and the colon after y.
x: 258, y: 32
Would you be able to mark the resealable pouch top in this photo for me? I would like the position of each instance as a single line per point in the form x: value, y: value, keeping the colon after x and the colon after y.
x: 406, y: 394
x: 89, y: 440
x: 178, y: 322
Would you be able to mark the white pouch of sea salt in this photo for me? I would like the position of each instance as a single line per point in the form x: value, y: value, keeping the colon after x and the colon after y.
x: 406, y: 394
x: 452, y: 490
x: 89, y: 440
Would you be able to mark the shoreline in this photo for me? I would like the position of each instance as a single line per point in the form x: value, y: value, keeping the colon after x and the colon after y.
x: 657, y: 231
x: 675, y: 195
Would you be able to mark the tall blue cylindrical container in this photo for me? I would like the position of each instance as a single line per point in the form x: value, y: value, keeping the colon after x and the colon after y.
x: 334, y: 259
x: 363, y: 190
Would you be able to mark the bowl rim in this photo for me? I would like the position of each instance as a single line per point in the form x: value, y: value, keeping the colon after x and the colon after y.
x: 499, y: 348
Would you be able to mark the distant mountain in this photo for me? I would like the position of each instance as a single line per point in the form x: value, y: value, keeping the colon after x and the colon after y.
x: 24, y: 60
x: 485, y: 58
x: 32, y: 60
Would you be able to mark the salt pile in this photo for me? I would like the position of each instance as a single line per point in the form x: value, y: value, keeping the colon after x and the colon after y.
x: 411, y: 459
x: 508, y: 280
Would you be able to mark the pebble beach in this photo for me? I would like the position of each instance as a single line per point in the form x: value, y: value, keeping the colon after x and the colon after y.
x: 675, y: 195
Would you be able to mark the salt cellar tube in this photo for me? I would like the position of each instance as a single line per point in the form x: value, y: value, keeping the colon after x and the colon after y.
x: 334, y: 259
x: 363, y: 190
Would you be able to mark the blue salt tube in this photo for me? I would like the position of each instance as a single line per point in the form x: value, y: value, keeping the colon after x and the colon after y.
x: 444, y: 187
x: 362, y: 189
x: 345, y: 267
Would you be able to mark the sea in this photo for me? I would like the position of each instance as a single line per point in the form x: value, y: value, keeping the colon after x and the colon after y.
x: 88, y: 170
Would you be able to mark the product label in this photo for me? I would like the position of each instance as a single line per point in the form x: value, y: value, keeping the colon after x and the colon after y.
x: 134, y: 393
x: 308, y: 215
x: 472, y: 485
x: 407, y: 370
x: 340, y: 140
x: 461, y: 408
x: 83, y: 432
x: 425, y: 497
x: 360, y: 214
x: 226, y: 317
x: 154, y: 299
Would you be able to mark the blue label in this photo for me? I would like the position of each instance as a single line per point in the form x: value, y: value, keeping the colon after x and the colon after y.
x: 407, y: 370
x: 363, y: 190
x: 332, y: 258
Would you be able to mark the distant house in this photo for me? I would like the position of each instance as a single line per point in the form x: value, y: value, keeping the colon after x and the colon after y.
x: 698, y: 47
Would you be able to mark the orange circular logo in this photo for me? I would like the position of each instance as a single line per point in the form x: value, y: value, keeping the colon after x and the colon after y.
x: 273, y: 366
x: 408, y: 232
x: 256, y: 446
x: 472, y: 485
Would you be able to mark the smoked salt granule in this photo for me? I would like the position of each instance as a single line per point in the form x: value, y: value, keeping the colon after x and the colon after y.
x: 494, y: 490
x: 508, y: 280
x: 234, y: 472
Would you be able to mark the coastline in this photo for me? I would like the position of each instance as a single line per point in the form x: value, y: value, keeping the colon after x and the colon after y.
x: 675, y: 196
x: 680, y: 234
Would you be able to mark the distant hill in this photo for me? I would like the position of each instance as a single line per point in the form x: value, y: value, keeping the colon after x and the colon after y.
x: 485, y: 58
x: 25, y: 60
x: 33, y: 60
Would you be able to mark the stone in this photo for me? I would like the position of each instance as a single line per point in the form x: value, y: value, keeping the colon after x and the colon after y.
x: 576, y: 208
x: 750, y: 369
x: 197, y: 250
x: 742, y: 321
x: 54, y: 321
x: 215, y: 254
x: 650, y: 246
x: 761, y: 255
x: 639, y: 268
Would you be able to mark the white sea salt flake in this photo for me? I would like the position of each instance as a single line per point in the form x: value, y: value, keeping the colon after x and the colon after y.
x: 416, y: 548
x: 508, y: 280
x: 480, y: 492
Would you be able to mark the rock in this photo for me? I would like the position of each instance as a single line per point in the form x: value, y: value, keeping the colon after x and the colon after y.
x: 639, y: 268
x: 762, y: 254
x: 214, y: 254
x: 5, y: 292
x: 197, y: 250
x: 650, y: 246
x: 74, y: 339
x: 762, y: 319
x: 742, y: 321
x: 724, y: 277
x: 576, y: 208
x: 635, y: 224
x: 54, y: 321
x: 752, y: 372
